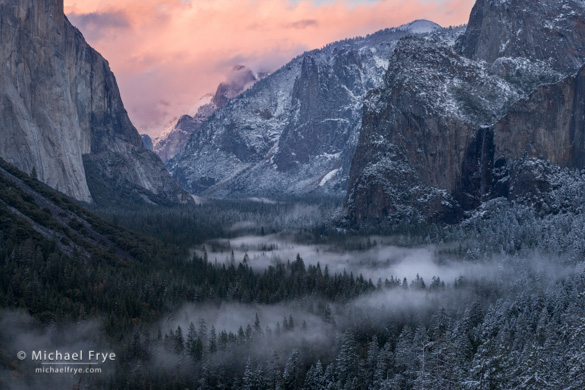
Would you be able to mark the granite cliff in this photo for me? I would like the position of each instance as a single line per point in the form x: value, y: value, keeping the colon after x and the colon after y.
x: 61, y: 114
x: 294, y: 132
x: 461, y: 123
x: 550, y: 31
x: 147, y: 142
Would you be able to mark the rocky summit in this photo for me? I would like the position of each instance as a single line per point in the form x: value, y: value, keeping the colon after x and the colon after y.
x: 549, y: 31
x: 175, y: 136
x: 459, y: 123
x: 294, y: 132
x: 61, y: 115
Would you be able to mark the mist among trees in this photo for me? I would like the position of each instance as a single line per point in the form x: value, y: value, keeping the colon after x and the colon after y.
x: 257, y: 303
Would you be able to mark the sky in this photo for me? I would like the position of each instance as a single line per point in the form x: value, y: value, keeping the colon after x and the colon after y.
x: 167, y: 54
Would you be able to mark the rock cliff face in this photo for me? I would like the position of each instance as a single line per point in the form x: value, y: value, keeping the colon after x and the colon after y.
x: 551, y: 31
x: 294, y: 132
x: 147, y: 141
x: 548, y: 126
x: 416, y: 132
x: 429, y: 149
x: 60, y: 110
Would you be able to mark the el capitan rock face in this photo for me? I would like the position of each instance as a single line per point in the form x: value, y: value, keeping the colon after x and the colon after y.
x: 456, y: 125
x: 60, y: 108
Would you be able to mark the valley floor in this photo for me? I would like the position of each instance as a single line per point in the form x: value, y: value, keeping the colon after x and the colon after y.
x: 267, y: 295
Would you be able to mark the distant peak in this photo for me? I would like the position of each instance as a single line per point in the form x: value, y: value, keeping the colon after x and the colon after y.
x: 421, y: 26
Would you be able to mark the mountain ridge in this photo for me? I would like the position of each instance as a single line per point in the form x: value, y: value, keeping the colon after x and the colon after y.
x: 292, y: 133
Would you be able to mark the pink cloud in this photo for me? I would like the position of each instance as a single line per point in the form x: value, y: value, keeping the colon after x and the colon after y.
x: 166, y: 54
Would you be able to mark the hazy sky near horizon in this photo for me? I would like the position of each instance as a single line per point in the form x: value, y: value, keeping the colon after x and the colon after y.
x: 167, y: 54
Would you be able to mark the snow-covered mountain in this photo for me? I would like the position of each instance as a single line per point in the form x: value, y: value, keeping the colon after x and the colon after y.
x: 420, y: 26
x: 174, y: 137
x: 428, y: 147
x: 295, y: 131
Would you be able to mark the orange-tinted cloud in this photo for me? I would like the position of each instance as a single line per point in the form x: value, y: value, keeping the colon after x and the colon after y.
x: 168, y: 53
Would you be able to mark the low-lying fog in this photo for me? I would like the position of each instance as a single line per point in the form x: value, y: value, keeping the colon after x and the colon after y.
x: 375, y: 259
x: 379, y: 261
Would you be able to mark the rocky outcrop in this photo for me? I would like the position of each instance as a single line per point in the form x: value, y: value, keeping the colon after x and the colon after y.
x: 175, y: 137
x: 60, y: 107
x: 548, y: 126
x: 294, y: 132
x: 417, y: 130
x: 518, y: 157
x: 147, y: 141
x: 456, y: 126
x: 551, y: 31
